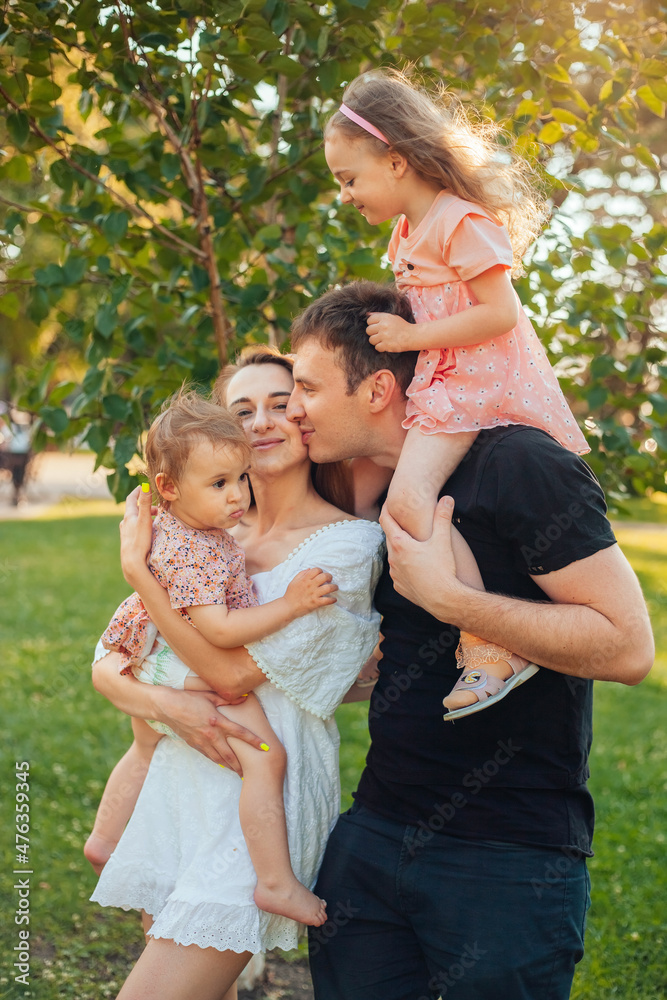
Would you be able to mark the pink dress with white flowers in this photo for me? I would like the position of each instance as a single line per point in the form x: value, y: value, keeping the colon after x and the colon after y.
x: 507, y: 380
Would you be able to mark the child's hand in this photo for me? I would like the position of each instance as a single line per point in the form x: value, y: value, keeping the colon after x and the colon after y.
x: 387, y: 332
x: 310, y: 589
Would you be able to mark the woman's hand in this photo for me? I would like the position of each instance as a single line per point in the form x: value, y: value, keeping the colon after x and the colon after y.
x: 136, y: 535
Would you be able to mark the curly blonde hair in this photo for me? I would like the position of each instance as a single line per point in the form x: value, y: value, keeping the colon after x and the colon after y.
x: 472, y: 158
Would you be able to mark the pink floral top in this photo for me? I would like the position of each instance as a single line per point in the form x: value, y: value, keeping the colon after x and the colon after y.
x: 196, y: 568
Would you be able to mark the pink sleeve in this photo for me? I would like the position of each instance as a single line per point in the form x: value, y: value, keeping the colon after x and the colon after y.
x: 196, y: 572
x: 475, y: 245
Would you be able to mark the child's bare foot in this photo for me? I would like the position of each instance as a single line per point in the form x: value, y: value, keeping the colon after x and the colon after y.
x: 292, y: 900
x: 97, y: 850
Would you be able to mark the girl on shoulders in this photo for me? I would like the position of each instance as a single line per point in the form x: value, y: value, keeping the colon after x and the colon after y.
x: 468, y: 212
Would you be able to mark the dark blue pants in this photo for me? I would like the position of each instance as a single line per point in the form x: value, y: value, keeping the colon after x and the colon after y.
x: 448, y: 918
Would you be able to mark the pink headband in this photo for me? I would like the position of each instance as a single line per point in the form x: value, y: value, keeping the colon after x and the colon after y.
x: 358, y: 120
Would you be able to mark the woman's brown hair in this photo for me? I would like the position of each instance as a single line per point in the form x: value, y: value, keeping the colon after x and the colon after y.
x: 474, y: 159
x: 332, y: 480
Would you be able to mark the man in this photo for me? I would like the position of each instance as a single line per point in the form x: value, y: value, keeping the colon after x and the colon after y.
x: 460, y: 870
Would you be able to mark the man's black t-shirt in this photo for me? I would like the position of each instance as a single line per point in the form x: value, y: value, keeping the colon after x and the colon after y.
x: 515, y: 772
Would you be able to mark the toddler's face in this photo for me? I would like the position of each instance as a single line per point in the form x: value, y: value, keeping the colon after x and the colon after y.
x: 214, y: 491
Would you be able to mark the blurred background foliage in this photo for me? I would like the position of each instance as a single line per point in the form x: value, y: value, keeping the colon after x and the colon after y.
x: 164, y: 197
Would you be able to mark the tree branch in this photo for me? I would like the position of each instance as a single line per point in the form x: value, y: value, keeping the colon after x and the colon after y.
x: 134, y: 208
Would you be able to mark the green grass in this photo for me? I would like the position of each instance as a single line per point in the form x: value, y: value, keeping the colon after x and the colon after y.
x: 59, y: 583
x: 651, y: 509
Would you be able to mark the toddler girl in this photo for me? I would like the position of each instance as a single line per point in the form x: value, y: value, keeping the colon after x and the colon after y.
x: 198, y: 461
x: 467, y: 213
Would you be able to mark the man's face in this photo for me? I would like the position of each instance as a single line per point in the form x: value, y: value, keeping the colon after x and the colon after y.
x: 334, y: 425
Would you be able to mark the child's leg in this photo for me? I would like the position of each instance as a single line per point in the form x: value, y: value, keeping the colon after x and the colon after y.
x: 425, y: 464
x: 262, y: 814
x: 476, y: 656
x: 120, y: 795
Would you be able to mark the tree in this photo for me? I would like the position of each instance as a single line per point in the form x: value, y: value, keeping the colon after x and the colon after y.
x: 171, y: 155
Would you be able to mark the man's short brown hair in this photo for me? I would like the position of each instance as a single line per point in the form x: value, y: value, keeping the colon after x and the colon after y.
x: 338, y: 321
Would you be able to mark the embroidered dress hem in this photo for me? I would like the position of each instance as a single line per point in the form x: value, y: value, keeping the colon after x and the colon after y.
x: 209, y: 925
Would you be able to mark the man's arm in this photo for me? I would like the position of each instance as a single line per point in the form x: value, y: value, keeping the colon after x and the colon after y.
x: 596, y: 625
x: 191, y: 714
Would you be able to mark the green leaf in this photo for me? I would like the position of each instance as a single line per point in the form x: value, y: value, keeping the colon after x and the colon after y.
x: 527, y: 108
x: 114, y: 226
x: 154, y: 39
x: 106, y: 320
x: 54, y: 417
x: 654, y: 67
x: 556, y: 72
x: 39, y: 306
x: 44, y: 91
x: 92, y: 382
x: 329, y: 75
x: 652, y: 101
x: 659, y: 403
x: 75, y: 328
x: 73, y: 270
x: 61, y: 392
x: 199, y: 278
x: 116, y: 407
x: 552, y: 132
x: 119, y: 289
x: 49, y: 276
x: 124, y: 449
x: 646, y: 157
x: 97, y: 438
x: 17, y: 169
x: 18, y: 126
x: 62, y: 174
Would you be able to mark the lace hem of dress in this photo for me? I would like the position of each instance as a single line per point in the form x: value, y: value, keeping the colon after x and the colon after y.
x: 234, y: 928
x: 225, y: 928
x: 277, y: 682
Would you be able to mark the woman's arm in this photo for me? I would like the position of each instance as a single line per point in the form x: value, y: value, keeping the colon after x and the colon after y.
x: 230, y: 672
x: 191, y: 714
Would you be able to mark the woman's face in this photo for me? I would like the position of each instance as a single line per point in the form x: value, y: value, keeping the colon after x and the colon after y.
x: 258, y: 396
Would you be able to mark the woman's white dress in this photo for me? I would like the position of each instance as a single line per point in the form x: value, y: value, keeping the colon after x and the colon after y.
x: 182, y: 857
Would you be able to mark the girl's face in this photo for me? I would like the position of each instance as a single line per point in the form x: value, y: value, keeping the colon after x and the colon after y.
x: 367, y: 180
x: 258, y: 396
x: 214, y: 491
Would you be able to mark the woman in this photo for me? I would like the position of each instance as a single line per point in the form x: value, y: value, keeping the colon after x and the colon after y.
x: 183, y: 858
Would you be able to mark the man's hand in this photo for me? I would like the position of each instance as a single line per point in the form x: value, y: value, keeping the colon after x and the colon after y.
x: 390, y: 333
x: 136, y: 534
x: 194, y: 717
x: 424, y: 572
